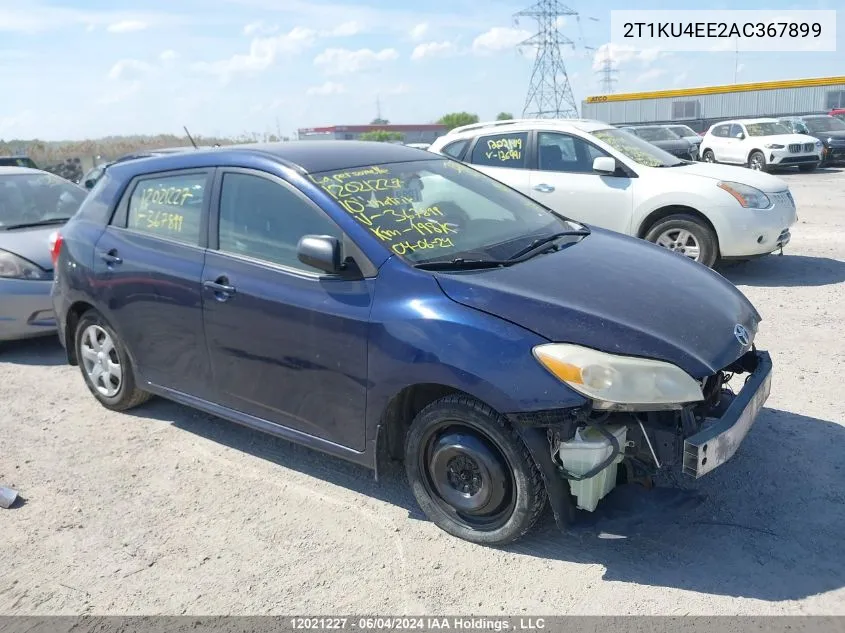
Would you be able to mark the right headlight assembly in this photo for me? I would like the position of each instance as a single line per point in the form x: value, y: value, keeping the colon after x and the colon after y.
x: 747, y: 196
x: 619, y: 382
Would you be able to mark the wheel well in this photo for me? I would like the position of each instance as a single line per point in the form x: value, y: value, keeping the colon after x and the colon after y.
x: 748, y: 156
x: 401, y: 411
x: 659, y: 214
x: 73, y: 315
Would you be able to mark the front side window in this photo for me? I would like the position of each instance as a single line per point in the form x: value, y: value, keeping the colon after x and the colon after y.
x: 263, y: 219
x: 735, y: 130
x: 638, y: 150
x: 37, y: 198
x: 169, y: 207
x: 432, y: 210
x: 766, y: 129
x: 565, y: 153
x: 501, y: 150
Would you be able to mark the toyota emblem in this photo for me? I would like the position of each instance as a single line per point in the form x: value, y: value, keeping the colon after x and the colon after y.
x: 741, y: 335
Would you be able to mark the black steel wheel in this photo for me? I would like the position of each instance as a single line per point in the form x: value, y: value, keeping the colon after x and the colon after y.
x: 471, y: 473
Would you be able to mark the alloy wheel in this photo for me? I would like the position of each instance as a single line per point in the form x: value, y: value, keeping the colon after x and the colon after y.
x: 680, y: 241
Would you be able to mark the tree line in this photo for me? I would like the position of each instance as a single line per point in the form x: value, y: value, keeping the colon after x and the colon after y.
x: 451, y: 121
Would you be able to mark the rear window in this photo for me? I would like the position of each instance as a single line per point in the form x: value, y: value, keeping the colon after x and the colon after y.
x: 169, y: 207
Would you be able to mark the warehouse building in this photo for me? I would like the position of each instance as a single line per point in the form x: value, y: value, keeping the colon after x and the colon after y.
x: 699, y: 108
x: 422, y: 133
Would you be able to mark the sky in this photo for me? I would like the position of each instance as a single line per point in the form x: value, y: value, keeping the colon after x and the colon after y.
x: 76, y: 69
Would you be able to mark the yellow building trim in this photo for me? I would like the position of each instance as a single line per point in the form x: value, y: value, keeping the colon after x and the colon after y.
x: 716, y: 90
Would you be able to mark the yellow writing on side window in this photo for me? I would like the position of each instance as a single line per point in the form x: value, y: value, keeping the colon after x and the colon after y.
x: 168, y: 196
x: 159, y: 220
x: 504, y: 149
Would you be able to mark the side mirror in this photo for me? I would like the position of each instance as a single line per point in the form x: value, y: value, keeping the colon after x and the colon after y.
x: 740, y: 136
x: 321, y: 252
x: 604, y: 165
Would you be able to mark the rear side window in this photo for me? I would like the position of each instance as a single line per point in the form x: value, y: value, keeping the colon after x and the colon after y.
x: 501, y: 150
x: 456, y: 149
x: 721, y: 130
x: 169, y: 207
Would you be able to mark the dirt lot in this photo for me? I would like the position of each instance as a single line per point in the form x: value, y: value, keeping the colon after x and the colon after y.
x: 167, y: 511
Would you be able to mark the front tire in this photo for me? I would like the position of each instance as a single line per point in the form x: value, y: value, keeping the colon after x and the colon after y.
x: 757, y: 161
x: 686, y: 235
x: 105, y: 364
x: 708, y: 156
x: 471, y: 473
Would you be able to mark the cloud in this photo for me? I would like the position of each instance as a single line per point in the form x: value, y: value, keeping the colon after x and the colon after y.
x: 129, y: 69
x: 401, y: 89
x: 116, y: 96
x: 263, y: 52
x: 620, y: 54
x: 338, y: 61
x: 328, y: 88
x: 259, y: 28
x: 433, y: 49
x: 347, y: 29
x: 499, y: 38
x: 168, y: 55
x: 680, y: 78
x: 419, y: 31
x: 127, y: 26
x: 648, y: 75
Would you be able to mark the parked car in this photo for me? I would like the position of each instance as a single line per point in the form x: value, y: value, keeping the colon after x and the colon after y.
x: 17, y: 161
x: 687, y: 133
x: 761, y: 144
x: 666, y: 139
x: 827, y: 129
x: 92, y: 177
x: 33, y: 204
x: 607, y: 177
x: 370, y: 299
x: 839, y: 113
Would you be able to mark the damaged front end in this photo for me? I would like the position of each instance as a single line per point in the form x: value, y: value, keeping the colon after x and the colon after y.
x: 583, y: 453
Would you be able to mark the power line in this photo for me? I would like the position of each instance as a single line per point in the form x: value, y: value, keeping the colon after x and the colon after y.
x: 608, y: 74
x: 549, y: 91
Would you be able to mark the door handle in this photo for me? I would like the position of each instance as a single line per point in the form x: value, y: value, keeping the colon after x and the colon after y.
x: 544, y: 188
x: 220, y: 287
x: 111, y: 258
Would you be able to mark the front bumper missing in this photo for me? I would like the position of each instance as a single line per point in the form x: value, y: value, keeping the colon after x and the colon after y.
x: 716, y: 444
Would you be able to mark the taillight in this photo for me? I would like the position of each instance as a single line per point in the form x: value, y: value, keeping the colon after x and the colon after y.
x: 55, y: 246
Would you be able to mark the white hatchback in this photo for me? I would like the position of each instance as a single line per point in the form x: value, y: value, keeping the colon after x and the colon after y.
x: 601, y: 175
x: 760, y: 144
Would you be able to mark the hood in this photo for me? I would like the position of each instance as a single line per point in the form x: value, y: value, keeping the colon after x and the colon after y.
x: 32, y: 244
x: 620, y: 295
x: 673, y: 145
x: 760, y: 180
x: 836, y: 135
x: 695, y: 140
x: 783, y: 139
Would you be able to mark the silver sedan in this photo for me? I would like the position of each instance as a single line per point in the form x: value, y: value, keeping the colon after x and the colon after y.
x: 33, y: 205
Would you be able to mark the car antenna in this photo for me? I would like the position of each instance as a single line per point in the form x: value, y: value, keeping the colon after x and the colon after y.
x: 190, y: 138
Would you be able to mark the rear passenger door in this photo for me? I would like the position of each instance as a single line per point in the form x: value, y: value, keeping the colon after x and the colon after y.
x: 504, y: 157
x: 148, y: 264
x: 287, y: 342
x: 718, y: 142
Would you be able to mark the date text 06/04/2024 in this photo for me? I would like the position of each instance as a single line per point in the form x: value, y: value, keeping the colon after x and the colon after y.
x: 417, y: 623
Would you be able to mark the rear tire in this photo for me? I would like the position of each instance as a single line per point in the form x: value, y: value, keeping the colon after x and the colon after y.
x: 471, y: 473
x: 105, y: 365
x: 682, y: 233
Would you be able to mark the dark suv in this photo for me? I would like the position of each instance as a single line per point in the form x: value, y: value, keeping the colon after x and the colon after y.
x: 828, y: 129
x: 371, y: 299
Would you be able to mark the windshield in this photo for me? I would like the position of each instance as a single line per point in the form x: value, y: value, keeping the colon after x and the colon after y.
x: 37, y: 197
x: 652, y: 134
x: 683, y: 130
x: 440, y: 209
x: 766, y: 129
x: 637, y: 149
x: 824, y: 124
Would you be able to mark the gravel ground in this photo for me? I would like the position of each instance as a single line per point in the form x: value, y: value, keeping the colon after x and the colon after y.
x: 167, y: 511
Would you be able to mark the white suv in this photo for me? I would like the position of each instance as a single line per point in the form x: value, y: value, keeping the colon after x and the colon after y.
x: 760, y: 144
x: 601, y: 175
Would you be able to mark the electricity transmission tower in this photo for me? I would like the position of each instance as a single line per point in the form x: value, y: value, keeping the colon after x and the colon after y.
x: 549, y: 92
x: 608, y: 74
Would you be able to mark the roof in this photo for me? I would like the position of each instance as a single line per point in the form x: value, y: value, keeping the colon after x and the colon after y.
x: 434, y: 127
x: 520, y: 125
x: 712, y: 90
x: 307, y: 156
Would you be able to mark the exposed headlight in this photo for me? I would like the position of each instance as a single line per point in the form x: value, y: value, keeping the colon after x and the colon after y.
x: 749, y: 197
x: 819, y: 144
x: 773, y: 146
x: 619, y: 382
x: 14, y: 267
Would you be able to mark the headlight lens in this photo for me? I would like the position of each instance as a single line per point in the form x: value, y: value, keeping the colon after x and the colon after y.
x: 14, y: 267
x: 749, y: 197
x: 819, y: 144
x: 773, y: 146
x: 619, y: 382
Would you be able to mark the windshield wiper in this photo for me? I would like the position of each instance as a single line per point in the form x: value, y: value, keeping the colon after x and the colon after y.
x: 27, y: 225
x: 538, y: 244
x: 460, y: 263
